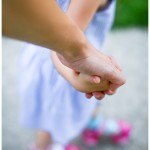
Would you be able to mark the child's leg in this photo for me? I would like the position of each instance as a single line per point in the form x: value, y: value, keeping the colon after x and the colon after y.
x: 97, y: 111
x: 43, y: 140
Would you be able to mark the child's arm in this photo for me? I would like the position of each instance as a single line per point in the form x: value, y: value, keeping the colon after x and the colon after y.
x: 81, y: 82
x: 82, y: 11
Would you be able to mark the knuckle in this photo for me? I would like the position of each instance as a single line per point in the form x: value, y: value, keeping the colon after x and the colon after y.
x: 116, y: 77
x: 110, y: 73
x: 123, y: 81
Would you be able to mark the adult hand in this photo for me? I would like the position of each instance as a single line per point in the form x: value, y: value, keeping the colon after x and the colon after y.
x: 97, y: 64
x: 101, y: 95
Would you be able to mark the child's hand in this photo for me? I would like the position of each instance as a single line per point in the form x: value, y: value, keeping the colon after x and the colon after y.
x: 85, y: 83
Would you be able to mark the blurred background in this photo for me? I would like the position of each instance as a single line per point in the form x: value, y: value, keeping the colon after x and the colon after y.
x: 131, y: 13
x: 128, y: 42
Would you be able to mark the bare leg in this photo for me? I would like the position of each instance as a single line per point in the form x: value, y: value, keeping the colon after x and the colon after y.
x: 97, y: 110
x: 43, y: 140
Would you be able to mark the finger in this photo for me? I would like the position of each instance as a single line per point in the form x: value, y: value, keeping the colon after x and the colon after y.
x: 88, y: 95
x: 96, y: 79
x: 110, y: 92
x: 114, y: 62
x: 112, y: 89
x: 99, y: 95
x: 114, y: 76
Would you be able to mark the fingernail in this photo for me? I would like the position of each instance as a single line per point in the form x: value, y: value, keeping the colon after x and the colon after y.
x: 110, y: 92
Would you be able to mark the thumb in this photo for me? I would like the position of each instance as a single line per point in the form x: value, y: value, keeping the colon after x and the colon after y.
x: 95, y: 79
x: 92, y: 79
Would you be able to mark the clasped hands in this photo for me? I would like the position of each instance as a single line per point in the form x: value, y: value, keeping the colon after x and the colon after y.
x: 95, y: 74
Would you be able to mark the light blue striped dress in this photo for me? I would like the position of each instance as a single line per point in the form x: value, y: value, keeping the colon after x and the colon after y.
x: 48, y: 101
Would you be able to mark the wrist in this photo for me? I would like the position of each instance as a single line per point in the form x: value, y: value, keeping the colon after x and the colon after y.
x: 75, y: 52
x: 76, y: 48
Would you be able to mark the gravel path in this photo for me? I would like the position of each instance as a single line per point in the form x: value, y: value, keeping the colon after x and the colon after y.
x: 129, y: 46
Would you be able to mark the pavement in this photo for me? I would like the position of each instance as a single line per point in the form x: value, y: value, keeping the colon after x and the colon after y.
x: 130, y: 47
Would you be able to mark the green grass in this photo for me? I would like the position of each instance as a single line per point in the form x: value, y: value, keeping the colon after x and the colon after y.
x: 131, y: 13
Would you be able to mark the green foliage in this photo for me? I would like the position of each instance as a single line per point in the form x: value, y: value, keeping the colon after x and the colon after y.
x: 131, y: 13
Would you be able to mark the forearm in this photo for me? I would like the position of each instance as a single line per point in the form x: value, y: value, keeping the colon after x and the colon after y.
x: 43, y: 23
x: 82, y: 11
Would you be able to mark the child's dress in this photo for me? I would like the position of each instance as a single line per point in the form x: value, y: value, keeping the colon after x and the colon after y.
x: 48, y: 101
